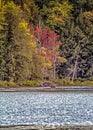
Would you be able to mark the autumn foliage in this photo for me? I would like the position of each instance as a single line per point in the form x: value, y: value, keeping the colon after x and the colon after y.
x: 47, y: 46
x: 37, y: 36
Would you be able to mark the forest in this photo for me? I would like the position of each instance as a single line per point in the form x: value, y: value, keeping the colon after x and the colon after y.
x: 46, y: 40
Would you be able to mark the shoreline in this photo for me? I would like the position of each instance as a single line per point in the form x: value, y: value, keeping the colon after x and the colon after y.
x: 47, y: 89
x: 47, y: 127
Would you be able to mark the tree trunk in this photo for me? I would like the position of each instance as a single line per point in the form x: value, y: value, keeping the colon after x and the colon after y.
x: 75, y: 69
x: 54, y: 68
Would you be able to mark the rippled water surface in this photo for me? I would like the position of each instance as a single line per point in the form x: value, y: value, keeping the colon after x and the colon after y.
x: 52, y: 108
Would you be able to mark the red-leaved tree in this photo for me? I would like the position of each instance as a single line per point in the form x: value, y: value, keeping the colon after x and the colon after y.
x: 47, y: 46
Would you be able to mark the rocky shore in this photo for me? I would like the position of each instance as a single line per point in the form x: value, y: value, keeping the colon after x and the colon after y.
x: 46, y: 127
x: 46, y: 89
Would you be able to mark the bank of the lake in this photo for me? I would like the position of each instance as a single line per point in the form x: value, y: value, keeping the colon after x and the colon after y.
x: 47, y: 89
x: 47, y: 127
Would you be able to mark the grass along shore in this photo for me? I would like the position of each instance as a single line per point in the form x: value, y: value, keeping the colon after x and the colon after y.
x: 37, y: 83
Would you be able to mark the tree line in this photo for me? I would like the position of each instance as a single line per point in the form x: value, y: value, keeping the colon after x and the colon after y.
x: 46, y: 39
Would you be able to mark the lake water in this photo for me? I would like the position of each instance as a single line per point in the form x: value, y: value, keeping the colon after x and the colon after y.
x: 46, y: 108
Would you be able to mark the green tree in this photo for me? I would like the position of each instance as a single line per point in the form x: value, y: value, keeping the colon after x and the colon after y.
x: 34, y: 13
x: 75, y: 50
x: 17, y: 49
x: 2, y: 41
x: 55, y: 13
x: 81, y: 5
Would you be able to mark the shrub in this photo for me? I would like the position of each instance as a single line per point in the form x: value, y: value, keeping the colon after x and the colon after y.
x: 3, y: 83
x: 11, y: 84
x: 30, y: 83
x: 87, y: 83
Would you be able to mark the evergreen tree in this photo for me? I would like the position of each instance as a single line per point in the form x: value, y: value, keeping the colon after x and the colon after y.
x: 55, y: 13
x: 17, y: 48
x: 75, y: 50
x: 2, y: 41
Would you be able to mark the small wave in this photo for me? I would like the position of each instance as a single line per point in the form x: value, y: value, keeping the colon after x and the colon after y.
x: 87, y: 123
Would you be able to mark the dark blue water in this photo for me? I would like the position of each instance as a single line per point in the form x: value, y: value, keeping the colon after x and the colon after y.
x: 45, y: 108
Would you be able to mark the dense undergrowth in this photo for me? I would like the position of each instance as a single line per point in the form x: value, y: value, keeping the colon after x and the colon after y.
x: 37, y: 83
